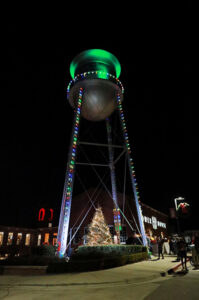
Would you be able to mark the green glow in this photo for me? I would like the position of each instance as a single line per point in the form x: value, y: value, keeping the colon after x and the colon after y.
x: 103, y: 60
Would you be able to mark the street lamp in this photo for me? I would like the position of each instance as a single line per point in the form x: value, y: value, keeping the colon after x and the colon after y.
x: 176, y: 201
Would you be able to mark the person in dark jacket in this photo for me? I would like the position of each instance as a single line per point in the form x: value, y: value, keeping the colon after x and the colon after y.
x: 160, y: 242
x: 133, y: 240
x: 195, y: 251
x: 182, y: 251
x: 171, y: 248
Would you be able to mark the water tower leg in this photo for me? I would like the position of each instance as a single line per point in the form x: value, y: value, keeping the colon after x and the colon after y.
x: 132, y: 172
x: 68, y: 184
x: 117, y: 218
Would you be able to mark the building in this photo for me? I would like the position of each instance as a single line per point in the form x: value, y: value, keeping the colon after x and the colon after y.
x: 83, y: 210
x: 17, y: 241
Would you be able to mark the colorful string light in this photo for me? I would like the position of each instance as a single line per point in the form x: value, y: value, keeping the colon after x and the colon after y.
x: 132, y: 171
x: 94, y: 75
x: 74, y: 144
x: 126, y: 139
x: 63, y: 229
x: 117, y: 219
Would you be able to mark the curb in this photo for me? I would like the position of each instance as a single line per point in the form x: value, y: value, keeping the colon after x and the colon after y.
x: 22, y: 270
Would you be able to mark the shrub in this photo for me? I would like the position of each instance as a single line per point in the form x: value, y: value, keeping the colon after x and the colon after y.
x: 100, y: 257
x: 32, y: 260
x: 109, y: 250
x: 44, y: 250
x: 39, y: 256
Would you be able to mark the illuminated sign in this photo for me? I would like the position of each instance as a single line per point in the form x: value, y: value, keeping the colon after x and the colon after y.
x: 154, y: 222
x: 42, y: 213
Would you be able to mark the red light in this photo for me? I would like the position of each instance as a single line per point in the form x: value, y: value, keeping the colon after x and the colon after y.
x: 41, y: 214
x: 51, y: 214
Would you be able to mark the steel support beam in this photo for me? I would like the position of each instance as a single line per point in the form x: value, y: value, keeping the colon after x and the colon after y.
x: 119, y: 156
x: 91, y: 164
x: 133, y: 181
x: 100, y: 145
x: 63, y: 228
x: 112, y: 170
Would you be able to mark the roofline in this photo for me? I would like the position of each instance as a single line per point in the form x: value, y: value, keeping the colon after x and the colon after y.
x: 154, y: 209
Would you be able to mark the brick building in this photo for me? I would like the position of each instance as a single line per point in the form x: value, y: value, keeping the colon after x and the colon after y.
x: 17, y: 241
x: 155, y: 222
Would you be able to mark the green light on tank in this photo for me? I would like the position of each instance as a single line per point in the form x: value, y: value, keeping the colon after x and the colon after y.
x: 103, y: 60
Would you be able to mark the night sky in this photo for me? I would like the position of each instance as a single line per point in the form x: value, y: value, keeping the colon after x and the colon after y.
x: 36, y: 120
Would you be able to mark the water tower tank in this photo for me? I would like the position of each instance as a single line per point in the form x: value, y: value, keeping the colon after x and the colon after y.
x: 97, y: 72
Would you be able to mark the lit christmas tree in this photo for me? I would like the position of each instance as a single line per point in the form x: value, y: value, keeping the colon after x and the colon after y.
x: 98, y: 232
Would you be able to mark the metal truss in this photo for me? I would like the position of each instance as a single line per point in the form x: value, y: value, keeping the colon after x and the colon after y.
x: 63, y: 230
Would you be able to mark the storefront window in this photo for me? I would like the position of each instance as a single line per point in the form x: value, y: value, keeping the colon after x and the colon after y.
x: 10, y: 238
x: 39, y: 240
x: 54, y: 239
x: 46, y: 238
x: 19, y: 238
x: 1, y: 238
x: 27, y: 241
x: 123, y: 236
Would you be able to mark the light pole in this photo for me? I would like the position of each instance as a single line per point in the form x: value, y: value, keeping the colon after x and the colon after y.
x: 176, y: 200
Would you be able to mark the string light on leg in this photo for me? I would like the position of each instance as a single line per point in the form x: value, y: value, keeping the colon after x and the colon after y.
x: 132, y: 170
x: 69, y: 179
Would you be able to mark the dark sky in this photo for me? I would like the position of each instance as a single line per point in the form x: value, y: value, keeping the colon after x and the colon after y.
x: 36, y: 119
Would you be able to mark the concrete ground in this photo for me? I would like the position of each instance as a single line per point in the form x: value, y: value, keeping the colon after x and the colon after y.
x: 141, y: 280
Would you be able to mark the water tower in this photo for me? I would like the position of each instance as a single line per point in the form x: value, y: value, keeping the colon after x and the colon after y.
x: 95, y: 92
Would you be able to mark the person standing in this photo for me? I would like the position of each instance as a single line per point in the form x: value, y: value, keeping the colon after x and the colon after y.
x: 175, y: 250
x: 160, y: 242
x: 195, y: 251
x: 183, y: 252
x: 171, y: 246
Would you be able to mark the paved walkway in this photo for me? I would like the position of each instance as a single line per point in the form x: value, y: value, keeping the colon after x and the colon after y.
x: 135, y: 281
x: 137, y: 272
